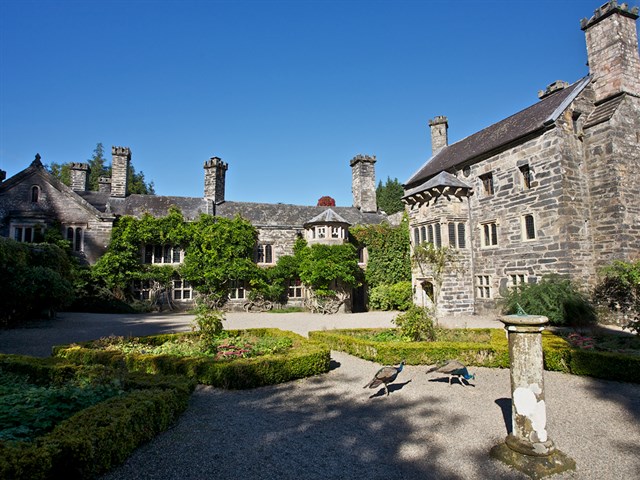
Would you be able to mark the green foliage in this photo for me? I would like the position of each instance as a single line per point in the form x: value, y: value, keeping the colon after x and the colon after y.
x: 555, y: 297
x: 97, y: 168
x: 389, y: 196
x: 391, y: 297
x: 28, y: 411
x: 277, y: 361
x: 61, y: 171
x: 329, y: 269
x: 435, y: 261
x: 33, y: 278
x: 619, y: 291
x: 487, y: 348
x: 388, y: 247
x: 416, y: 324
x: 209, y: 325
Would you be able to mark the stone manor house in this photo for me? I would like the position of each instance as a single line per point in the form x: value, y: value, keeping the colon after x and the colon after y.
x: 34, y: 200
x: 554, y: 188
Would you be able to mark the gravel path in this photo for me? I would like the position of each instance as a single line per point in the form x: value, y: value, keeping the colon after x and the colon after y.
x: 329, y: 427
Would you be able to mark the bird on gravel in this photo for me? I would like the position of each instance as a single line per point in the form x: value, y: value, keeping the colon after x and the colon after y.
x: 385, y: 376
x: 453, y: 368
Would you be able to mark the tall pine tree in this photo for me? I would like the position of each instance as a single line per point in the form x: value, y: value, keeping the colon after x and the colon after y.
x: 389, y: 196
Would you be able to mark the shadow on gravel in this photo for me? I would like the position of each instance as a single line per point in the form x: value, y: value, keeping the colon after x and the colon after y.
x: 505, y: 406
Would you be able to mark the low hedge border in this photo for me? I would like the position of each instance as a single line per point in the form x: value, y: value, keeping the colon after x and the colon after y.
x: 559, y: 355
x: 97, y: 438
x: 305, y: 359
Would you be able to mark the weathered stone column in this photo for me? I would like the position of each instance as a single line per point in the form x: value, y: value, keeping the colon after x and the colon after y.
x: 528, y: 447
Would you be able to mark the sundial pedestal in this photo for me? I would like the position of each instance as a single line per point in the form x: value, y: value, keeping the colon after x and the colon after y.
x: 528, y: 447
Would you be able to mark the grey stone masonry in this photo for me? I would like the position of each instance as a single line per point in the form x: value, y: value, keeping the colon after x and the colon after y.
x: 363, y: 183
x: 612, y: 49
x: 439, y: 136
x: 79, y: 176
x: 215, y: 171
x: 121, y: 156
x: 104, y: 184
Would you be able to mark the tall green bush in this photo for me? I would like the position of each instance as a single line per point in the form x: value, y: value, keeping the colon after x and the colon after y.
x: 555, y: 297
x: 416, y: 324
x: 391, y: 297
x: 619, y: 291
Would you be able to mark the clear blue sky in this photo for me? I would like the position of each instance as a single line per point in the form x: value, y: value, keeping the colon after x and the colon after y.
x: 286, y: 92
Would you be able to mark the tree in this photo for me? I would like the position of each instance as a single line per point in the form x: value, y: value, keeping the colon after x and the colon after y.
x: 389, y: 196
x: 62, y: 171
x: 326, y: 201
x: 96, y: 164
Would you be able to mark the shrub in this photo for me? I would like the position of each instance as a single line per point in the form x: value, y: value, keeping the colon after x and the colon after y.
x: 556, y: 298
x: 209, y: 324
x: 391, y: 297
x: 619, y: 292
x: 416, y: 324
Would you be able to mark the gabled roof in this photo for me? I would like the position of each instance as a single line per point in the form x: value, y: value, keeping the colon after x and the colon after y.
x: 36, y: 168
x: 442, y: 180
x: 328, y: 216
x: 532, y: 120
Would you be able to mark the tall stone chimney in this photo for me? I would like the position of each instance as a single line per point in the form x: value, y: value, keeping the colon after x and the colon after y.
x: 121, y: 156
x: 79, y: 176
x: 363, y: 183
x: 104, y: 184
x: 215, y: 171
x: 439, y: 137
x: 612, y: 50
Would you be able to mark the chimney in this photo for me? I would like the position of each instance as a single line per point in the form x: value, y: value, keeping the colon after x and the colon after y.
x: 104, y: 184
x: 363, y: 183
x: 439, y: 137
x: 121, y: 156
x: 215, y: 171
x: 79, y: 176
x: 612, y: 50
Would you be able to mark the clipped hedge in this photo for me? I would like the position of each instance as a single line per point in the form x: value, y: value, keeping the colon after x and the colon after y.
x: 100, y: 437
x: 305, y: 359
x: 559, y: 355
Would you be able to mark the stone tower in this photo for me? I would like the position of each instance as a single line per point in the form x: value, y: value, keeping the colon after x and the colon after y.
x: 612, y: 50
x: 121, y: 157
x: 79, y: 176
x: 215, y: 171
x: 439, y: 136
x: 363, y: 183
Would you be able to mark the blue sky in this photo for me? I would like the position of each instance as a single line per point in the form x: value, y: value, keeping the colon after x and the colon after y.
x: 286, y: 92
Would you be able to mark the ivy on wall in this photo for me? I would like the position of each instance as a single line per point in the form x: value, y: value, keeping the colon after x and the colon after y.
x: 389, y: 252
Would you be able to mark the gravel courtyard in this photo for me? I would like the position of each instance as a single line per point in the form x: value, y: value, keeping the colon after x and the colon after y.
x: 329, y: 427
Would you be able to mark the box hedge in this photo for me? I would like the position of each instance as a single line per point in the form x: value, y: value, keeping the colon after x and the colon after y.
x: 306, y: 358
x: 559, y: 355
x: 97, y: 438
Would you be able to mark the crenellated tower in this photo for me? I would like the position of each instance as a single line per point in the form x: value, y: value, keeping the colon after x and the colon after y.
x: 363, y: 182
x: 79, y: 176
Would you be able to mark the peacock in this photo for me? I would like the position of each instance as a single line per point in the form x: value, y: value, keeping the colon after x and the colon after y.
x: 453, y: 368
x: 385, y: 376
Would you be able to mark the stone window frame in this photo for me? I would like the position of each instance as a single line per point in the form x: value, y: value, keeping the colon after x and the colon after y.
x: 181, y: 290
x: 237, y: 290
x: 526, y: 176
x: 488, y: 184
x: 483, y: 287
x: 457, y: 230
x: 27, y: 232
x: 155, y: 254
x: 321, y: 231
x: 489, y: 234
x: 75, y: 235
x: 518, y: 279
x: 416, y: 236
x: 295, y: 288
x: 264, y: 253
x: 35, y: 193
x: 528, y: 227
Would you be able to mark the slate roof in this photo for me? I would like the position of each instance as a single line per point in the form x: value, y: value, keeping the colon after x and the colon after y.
x: 328, y: 216
x: 523, y: 124
x: 156, y: 205
x: 293, y: 216
x: 443, y: 179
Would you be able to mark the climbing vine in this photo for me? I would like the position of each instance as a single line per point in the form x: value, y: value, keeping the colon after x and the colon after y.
x: 436, y: 259
x: 389, y: 252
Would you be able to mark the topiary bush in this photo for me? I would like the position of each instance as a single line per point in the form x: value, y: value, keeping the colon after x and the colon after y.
x: 556, y: 298
x: 416, y: 324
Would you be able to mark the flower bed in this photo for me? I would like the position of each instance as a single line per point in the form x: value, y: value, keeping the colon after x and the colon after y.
x: 275, y: 356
